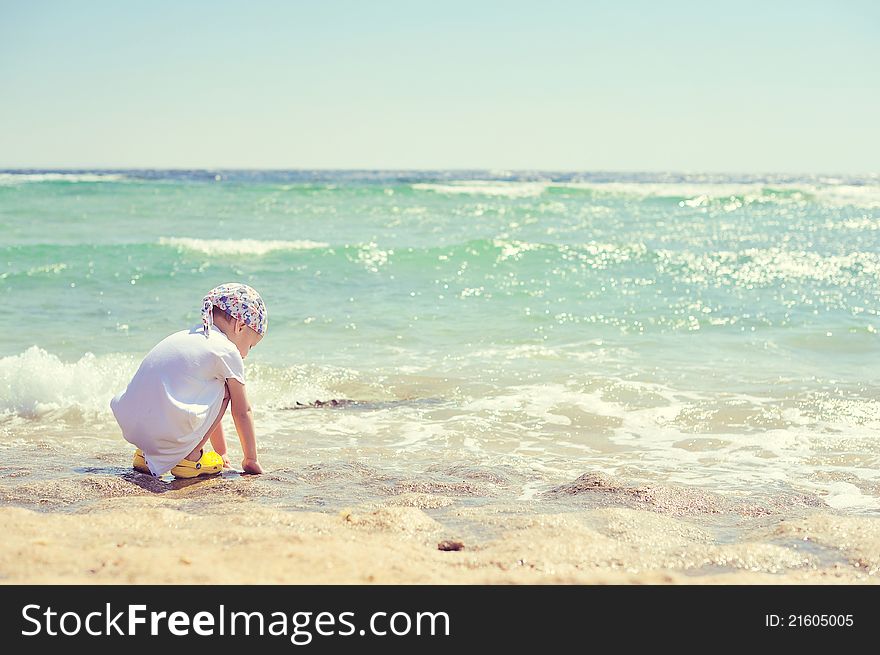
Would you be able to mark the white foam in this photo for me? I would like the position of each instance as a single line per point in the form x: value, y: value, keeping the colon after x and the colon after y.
x: 666, y: 189
x: 696, y: 195
x: 7, y: 179
x: 237, y: 246
x: 486, y: 188
x: 734, y: 196
x: 35, y: 382
x: 690, y: 190
x: 511, y: 249
x: 522, y: 351
x: 844, y: 495
x: 535, y: 401
x: 652, y: 440
x: 276, y: 387
x: 418, y: 432
x: 867, y: 196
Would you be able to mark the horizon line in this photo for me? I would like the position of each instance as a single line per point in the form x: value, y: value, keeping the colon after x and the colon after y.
x: 495, y: 169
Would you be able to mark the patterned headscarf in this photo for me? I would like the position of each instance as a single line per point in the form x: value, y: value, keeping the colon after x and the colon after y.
x: 240, y: 301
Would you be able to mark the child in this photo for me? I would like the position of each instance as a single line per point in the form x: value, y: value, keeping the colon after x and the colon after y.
x: 177, y: 398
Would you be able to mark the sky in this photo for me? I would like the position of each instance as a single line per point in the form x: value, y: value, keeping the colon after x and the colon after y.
x: 737, y: 87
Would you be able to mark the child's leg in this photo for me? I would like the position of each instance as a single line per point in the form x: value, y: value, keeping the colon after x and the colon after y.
x: 196, y: 453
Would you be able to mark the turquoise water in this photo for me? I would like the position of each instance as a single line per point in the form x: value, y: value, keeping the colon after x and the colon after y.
x: 717, y: 331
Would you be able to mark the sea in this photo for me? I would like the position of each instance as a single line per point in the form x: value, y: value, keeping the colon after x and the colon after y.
x: 487, y: 335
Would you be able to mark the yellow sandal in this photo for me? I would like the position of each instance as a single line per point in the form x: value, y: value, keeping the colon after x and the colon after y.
x: 139, y: 463
x: 210, y: 463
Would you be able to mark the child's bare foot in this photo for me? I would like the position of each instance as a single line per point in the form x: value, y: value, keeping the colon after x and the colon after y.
x: 251, y: 466
x: 226, y: 463
x: 195, y: 455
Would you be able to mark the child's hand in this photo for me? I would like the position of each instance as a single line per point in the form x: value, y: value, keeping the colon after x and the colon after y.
x: 251, y: 466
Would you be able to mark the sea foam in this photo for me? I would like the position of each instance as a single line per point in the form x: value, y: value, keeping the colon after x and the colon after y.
x: 36, y: 382
x: 486, y: 188
x: 692, y: 194
x: 23, y: 178
x: 237, y: 246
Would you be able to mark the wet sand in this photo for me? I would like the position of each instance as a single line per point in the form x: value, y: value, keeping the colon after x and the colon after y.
x: 115, y: 526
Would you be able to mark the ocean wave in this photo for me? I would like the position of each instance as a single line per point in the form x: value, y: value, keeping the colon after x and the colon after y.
x: 38, y: 384
x: 485, y: 188
x: 730, y: 197
x: 747, y: 267
x: 7, y: 179
x: 867, y: 197
x: 675, y: 432
x: 237, y: 246
x: 689, y: 194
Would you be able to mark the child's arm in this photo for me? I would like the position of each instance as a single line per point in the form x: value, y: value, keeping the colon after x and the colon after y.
x: 244, y: 425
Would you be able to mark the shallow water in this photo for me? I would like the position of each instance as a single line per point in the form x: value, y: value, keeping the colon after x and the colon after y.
x: 502, y: 334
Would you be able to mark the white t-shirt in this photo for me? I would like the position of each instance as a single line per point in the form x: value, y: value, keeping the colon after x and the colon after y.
x: 176, y: 395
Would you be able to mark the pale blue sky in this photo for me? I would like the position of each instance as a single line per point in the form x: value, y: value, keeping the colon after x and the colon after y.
x: 623, y: 85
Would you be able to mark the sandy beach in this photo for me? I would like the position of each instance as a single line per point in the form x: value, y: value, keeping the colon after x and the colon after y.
x: 127, y: 528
